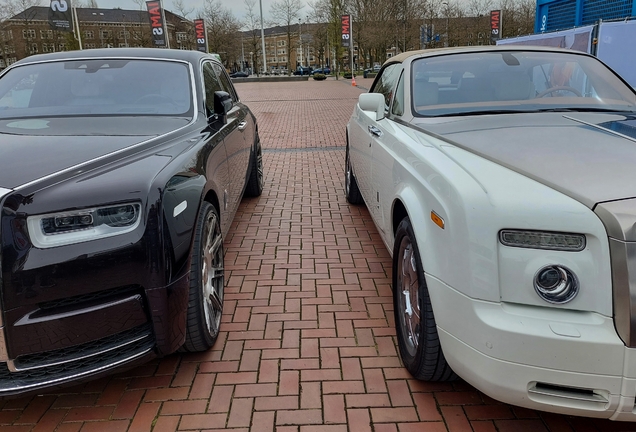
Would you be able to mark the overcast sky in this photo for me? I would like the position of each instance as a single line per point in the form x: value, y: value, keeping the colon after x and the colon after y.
x: 236, y: 6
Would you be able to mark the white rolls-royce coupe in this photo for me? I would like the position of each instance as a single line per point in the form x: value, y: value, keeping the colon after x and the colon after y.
x: 503, y: 182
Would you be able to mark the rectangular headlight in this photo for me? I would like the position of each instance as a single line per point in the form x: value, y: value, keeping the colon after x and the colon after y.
x: 64, y: 228
x: 542, y: 240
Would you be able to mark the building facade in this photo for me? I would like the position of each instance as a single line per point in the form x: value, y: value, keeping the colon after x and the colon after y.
x: 29, y: 33
x: 555, y: 15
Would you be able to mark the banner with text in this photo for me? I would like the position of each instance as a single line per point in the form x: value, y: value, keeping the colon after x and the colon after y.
x: 199, y: 32
x: 61, y: 15
x: 346, y: 30
x: 157, y: 27
x: 495, y: 25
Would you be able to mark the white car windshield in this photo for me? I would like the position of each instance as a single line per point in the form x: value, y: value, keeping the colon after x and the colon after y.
x: 96, y: 87
x: 515, y: 81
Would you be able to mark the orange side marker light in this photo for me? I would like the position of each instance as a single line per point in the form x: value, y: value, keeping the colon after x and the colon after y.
x: 437, y: 219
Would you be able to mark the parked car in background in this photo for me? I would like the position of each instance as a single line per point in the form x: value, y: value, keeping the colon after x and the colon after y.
x: 121, y: 172
x: 303, y: 70
x: 239, y: 74
x: 325, y: 71
x: 502, y: 182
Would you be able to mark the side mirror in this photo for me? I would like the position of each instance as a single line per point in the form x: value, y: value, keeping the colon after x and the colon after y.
x: 222, y: 103
x: 373, y: 102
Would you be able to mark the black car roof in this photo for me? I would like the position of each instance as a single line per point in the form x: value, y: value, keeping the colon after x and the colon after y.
x: 154, y: 53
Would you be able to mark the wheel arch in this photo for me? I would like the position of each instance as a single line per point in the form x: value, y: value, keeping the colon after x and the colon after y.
x: 408, y: 203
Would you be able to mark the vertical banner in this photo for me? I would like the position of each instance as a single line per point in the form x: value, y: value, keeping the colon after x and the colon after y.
x: 200, y: 34
x: 156, y: 23
x: 495, y: 26
x: 346, y: 30
x: 60, y: 15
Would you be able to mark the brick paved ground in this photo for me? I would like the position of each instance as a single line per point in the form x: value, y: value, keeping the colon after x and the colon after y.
x: 307, y: 341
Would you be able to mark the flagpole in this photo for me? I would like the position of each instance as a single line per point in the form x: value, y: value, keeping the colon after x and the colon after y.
x: 76, y: 22
x: 165, y: 23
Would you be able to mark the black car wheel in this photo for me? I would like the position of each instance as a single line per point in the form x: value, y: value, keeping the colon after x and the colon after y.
x: 418, y: 341
x: 352, y: 193
x: 205, y: 303
x: 255, y: 183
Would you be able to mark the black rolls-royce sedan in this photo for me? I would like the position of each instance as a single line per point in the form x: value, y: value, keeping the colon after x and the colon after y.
x: 120, y: 173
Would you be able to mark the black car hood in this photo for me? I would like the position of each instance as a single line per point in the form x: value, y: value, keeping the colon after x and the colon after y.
x: 590, y: 157
x: 31, y: 149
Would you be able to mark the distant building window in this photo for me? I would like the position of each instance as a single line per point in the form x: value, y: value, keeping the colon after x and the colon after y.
x: 33, y: 49
x: 123, y: 45
x: 282, y: 43
x: 7, y: 34
x: 2, y: 65
x: 11, y: 60
x: 90, y: 46
x: 182, y: 36
x: 104, y: 34
x: 61, y: 47
x: 48, y: 48
x: 480, y: 35
x: 46, y: 34
x: 89, y: 34
x: 28, y: 34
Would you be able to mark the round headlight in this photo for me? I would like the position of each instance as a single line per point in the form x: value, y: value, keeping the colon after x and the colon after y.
x: 556, y: 284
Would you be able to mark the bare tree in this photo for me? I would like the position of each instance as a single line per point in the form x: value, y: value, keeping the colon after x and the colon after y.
x: 286, y: 13
x: 181, y: 8
x: 253, y: 25
x: 222, y: 28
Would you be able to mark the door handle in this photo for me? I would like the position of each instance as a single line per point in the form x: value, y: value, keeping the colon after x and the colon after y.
x: 242, y: 125
x: 375, y: 131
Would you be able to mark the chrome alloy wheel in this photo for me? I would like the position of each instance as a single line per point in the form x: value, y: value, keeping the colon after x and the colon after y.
x: 212, y: 273
x: 409, y: 301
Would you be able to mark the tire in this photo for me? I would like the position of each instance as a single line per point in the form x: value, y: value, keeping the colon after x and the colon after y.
x: 205, y: 301
x: 254, y: 186
x: 416, y: 330
x: 352, y: 192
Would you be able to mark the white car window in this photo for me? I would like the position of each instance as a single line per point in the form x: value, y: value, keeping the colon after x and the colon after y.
x: 519, y: 81
x: 386, y: 83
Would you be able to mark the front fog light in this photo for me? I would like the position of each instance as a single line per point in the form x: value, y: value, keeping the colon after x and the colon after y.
x: 556, y: 284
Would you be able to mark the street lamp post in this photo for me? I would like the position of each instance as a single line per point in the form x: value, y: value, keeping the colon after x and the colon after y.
x: 447, y: 43
x: 300, y: 38
x: 123, y: 22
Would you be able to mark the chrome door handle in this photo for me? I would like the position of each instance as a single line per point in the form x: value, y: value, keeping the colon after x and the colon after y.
x: 242, y: 125
x: 375, y: 131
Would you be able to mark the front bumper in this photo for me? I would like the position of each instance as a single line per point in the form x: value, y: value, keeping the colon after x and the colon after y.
x: 548, y: 359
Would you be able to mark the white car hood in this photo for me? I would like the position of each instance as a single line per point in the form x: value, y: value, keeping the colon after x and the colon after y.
x: 590, y: 157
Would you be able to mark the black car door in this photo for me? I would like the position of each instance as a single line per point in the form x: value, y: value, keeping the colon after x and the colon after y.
x: 238, y: 151
x: 214, y: 154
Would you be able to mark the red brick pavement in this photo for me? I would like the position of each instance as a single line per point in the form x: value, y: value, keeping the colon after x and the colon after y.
x: 307, y: 341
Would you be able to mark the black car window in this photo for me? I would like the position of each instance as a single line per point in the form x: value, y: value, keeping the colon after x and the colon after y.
x: 225, y: 81
x: 398, y: 99
x: 96, y: 87
x: 386, y: 82
x: 212, y: 84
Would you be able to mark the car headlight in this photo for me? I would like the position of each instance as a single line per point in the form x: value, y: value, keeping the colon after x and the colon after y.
x: 64, y: 228
x: 542, y: 240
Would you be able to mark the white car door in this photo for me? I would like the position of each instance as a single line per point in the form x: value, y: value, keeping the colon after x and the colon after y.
x: 380, y: 157
x: 360, y: 151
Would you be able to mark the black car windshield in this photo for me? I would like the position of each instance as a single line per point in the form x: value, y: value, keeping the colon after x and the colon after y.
x: 515, y: 81
x: 96, y: 87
